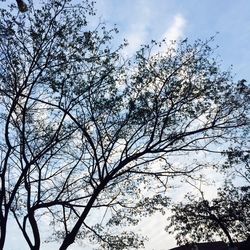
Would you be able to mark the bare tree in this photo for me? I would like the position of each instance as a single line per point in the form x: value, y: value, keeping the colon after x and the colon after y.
x: 84, y: 130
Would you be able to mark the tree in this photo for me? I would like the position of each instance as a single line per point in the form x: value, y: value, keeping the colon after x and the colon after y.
x: 86, y: 132
x: 227, y: 216
x: 237, y: 164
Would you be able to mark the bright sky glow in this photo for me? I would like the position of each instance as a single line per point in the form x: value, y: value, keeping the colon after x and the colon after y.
x: 140, y: 21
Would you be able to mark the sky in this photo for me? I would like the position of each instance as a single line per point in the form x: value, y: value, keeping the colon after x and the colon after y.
x: 140, y: 21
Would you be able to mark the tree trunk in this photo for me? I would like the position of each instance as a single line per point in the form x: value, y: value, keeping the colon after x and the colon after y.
x: 70, y: 238
x: 224, y: 229
x: 2, y: 232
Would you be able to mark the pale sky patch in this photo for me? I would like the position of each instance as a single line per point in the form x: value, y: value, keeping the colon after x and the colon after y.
x: 138, y: 27
x: 140, y: 34
x: 176, y: 29
x: 135, y: 40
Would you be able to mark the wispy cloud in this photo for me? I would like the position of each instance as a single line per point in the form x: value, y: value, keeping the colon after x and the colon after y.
x: 135, y: 40
x: 176, y: 29
x: 174, y: 32
x: 140, y: 33
x: 138, y: 25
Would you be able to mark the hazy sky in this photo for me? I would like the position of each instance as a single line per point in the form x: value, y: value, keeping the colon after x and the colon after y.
x: 142, y: 20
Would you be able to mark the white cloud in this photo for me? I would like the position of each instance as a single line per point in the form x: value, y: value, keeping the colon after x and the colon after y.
x: 140, y: 32
x: 134, y: 40
x: 138, y: 21
x: 175, y: 31
x: 154, y: 228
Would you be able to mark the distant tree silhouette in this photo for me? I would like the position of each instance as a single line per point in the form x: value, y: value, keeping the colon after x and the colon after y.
x: 227, y: 216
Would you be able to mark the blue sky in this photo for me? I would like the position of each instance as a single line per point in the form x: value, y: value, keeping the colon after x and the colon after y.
x: 142, y: 20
